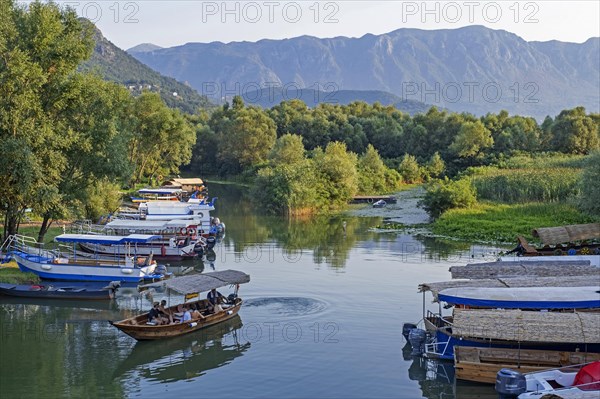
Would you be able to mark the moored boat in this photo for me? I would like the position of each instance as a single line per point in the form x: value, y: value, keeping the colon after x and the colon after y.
x: 59, y: 264
x: 482, y: 364
x: 571, y: 382
x: 60, y: 291
x: 191, y: 286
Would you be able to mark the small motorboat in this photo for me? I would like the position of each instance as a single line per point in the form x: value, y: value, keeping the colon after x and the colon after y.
x: 576, y: 382
x: 379, y: 204
x: 60, y: 291
x: 140, y: 328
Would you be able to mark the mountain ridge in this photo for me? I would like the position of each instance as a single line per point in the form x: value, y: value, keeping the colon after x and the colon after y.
x: 438, y: 67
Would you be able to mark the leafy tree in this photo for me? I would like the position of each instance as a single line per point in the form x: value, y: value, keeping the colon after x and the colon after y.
x: 288, y: 149
x: 590, y: 186
x: 436, y: 166
x: 472, y: 139
x: 442, y: 195
x: 246, y: 136
x: 371, y: 172
x: 162, y: 138
x: 337, y: 169
x: 409, y: 169
x: 575, y: 132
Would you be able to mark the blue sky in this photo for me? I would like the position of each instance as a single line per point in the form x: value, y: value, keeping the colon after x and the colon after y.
x: 171, y: 23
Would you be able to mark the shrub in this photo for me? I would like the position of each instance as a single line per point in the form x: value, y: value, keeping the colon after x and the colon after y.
x: 442, y: 195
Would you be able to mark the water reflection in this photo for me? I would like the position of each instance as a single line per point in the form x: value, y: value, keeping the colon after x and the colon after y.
x: 185, y: 357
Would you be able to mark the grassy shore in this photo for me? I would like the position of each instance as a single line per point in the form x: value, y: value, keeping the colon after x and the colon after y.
x: 502, y: 223
x: 10, y: 274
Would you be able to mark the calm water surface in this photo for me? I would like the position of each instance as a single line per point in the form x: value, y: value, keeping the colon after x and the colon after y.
x: 323, y: 318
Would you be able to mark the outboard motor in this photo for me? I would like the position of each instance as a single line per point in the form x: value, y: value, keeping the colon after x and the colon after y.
x: 510, y: 384
x: 199, y: 249
x: 211, y: 241
x: 406, y: 327
x: 417, y: 338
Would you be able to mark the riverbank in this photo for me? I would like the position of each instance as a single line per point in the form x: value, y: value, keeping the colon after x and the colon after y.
x: 11, y: 274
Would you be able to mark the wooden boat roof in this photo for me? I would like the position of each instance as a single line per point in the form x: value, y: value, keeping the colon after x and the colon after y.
x: 191, y: 181
x: 570, y: 233
x: 524, y: 297
x: 529, y: 326
x: 202, y: 282
x: 107, y: 240
x: 539, y: 268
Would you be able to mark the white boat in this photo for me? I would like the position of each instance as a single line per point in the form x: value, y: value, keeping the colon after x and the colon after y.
x: 570, y: 382
x: 523, y: 297
x: 31, y: 256
x: 379, y: 204
x: 158, y: 194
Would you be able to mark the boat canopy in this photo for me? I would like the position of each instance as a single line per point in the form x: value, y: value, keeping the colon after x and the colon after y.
x: 127, y: 224
x: 107, y: 240
x: 160, y: 191
x: 564, y: 234
x: 524, y: 297
x: 202, y: 282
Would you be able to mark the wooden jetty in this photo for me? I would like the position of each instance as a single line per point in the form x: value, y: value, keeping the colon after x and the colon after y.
x: 482, y: 364
x: 369, y: 199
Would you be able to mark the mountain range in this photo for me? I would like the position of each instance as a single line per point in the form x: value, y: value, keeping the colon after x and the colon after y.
x: 473, y: 69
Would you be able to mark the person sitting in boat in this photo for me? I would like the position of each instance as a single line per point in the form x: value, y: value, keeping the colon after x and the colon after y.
x: 164, y: 312
x: 154, y: 315
x: 214, y: 298
x: 196, y: 314
x: 187, y: 316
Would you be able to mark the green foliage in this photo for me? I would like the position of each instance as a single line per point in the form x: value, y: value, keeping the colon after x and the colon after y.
x: 436, y: 166
x: 442, y: 195
x: 575, y: 132
x: 472, y: 139
x: 245, y: 136
x: 410, y: 170
x: 590, y: 186
x: 337, y: 170
x: 162, y: 139
x: 502, y: 223
x: 102, y: 197
x: 372, y: 173
x: 288, y: 149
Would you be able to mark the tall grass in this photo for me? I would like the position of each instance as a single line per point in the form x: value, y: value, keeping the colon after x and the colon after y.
x: 517, y: 186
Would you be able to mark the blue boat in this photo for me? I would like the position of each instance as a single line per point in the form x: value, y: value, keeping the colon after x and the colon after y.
x: 68, y: 264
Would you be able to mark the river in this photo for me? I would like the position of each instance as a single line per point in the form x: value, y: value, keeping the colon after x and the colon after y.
x: 322, y: 318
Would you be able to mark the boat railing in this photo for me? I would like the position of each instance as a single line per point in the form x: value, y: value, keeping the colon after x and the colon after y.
x: 26, y: 244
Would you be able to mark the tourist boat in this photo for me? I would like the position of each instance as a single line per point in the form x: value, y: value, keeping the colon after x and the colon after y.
x: 379, y: 204
x: 60, y: 291
x: 570, y: 382
x: 482, y: 364
x: 191, y: 286
x: 65, y: 264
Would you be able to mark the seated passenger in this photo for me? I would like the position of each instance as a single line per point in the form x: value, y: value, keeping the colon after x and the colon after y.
x: 164, y: 312
x: 214, y: 298
x: 196, y: 313
x: 187, y: 316
x: 154, y: 315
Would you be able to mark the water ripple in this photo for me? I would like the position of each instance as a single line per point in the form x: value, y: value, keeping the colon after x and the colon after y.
x: 287, y: 306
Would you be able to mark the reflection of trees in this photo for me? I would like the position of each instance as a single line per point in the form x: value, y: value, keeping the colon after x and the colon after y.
x: 185, y: 357
x: 47, y: 352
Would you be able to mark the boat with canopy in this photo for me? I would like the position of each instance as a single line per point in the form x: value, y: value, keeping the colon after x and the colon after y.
x: 140, y: 328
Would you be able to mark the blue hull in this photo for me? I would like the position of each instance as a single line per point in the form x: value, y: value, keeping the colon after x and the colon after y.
x: 77, y: 277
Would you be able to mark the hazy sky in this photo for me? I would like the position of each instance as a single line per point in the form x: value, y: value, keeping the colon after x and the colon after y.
x: 171, y: 23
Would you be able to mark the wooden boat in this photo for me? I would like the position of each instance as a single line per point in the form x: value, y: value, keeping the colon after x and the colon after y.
x: 59, y: 291
x: 580, y: 239
x: 58, y: 264
x: 571, y: 382
x: 191, y: 286
x: 483, y: 364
